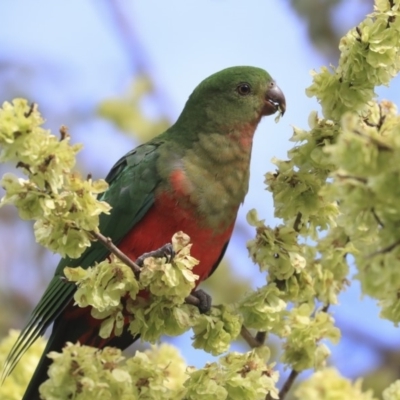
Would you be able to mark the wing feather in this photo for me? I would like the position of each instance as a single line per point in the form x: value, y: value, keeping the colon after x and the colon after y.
x: 132, y: 181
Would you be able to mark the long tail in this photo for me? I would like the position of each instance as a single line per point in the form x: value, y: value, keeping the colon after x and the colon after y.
x: 83, y: 329
x: 40, y: 375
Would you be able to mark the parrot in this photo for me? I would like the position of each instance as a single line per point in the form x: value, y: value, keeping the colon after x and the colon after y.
x: 192, y: 178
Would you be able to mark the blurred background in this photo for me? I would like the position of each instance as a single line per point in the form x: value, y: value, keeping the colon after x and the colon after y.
x: 117, y: 73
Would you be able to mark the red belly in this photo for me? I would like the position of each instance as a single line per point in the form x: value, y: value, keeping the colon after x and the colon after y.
x: 159, y: 225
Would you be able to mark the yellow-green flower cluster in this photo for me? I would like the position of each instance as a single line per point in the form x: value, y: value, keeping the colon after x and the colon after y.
x: 303, y: 347
x: 264, y: 309
x: 236, y: 376
x: 172, y: 280
x: 127, y: 113
x: 63, y: 205
x: 392, y: 392
x: 367, y: 185
x: 216, y: 331
x: 327, y: 384
x: 14, y: 386
x: 369, y: 58
x: 83, y: 372
x: 154, y: 302
x: 102, y: 287
x: 336, y: 194
x: 275, y: 250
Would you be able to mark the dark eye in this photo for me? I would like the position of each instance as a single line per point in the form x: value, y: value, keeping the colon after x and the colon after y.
x: 243, y: 89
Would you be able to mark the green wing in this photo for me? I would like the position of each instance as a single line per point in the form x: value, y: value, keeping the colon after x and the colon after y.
x: 132, y: 181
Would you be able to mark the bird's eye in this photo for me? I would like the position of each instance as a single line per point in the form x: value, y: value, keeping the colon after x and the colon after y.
x: 243, y: 89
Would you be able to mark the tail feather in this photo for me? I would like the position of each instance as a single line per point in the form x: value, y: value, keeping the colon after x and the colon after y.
x: 84, y: 330
x: 37, y: 325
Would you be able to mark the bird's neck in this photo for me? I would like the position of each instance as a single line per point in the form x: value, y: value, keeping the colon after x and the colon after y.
x: 212, y: 176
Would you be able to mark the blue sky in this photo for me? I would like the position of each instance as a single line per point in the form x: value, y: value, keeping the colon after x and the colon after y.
x: 78, y: 60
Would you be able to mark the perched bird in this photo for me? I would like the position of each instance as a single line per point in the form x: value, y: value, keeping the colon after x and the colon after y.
x: 191, y: 178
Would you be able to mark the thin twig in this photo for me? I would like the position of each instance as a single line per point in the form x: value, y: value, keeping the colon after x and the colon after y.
x: 288, y: 384
x: 260, y: 337
x: 249, y: 338
x: 325, y: 308
x: 63, y: 132
x: 381, y: 146
x: 194, y: 301
x: 377, y: 219
x: 297, y: 222
x: 391, y: 18
x: 107, y: 242
x: 385, y: 249
x: 32, y: 108
x: 356, y: 178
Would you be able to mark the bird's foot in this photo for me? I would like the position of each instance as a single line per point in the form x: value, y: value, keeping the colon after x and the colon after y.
x: 205, y: 300
x: 165, y: 251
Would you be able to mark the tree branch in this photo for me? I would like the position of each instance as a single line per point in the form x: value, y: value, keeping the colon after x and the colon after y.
x: 107, y: 242
x: 260, y: 337
x: 377, y: 219
x: 297, y: 222
x: 288, y: 384
x: 249, y: 338
x: 385, y: 249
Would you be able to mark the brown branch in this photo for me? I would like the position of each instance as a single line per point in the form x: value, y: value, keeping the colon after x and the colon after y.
x: 380, y: 146
x: 63, y: 132
x: 382, y: 118
x: 297, y: 222
x: 377, y: 219
x: 260, y: 337
x: 356, y: 178
x: 249, y: 338
x: 385, y: 249
x: 32, y: 108
x: 325, y: 308
x: 21, y: 164
x: 194, y: 301
x: 288, y: 384
x: 107, y: 242
x: 391, y: 18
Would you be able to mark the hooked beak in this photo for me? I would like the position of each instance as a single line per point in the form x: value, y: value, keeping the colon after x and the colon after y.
x: 274, y: 100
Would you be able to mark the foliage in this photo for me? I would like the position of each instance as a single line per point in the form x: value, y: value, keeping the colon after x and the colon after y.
x: 63, y: 205
x: 13, y: 388
x: 127, y: 113
x: 327, y: 384
x: 82, y: 372
x: 336, y: 195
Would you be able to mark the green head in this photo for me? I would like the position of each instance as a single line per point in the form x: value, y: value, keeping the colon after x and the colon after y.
x: 231, y: 98
x: 207, y: 156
